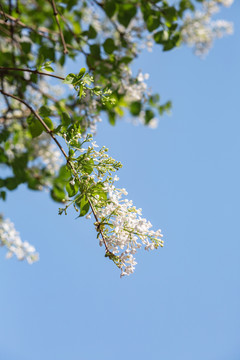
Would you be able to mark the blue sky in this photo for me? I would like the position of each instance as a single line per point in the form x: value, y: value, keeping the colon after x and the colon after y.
x: 182, y: 302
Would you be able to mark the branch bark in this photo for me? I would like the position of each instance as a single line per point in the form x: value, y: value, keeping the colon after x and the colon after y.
x: 55, y: 12
x: 2, y: 68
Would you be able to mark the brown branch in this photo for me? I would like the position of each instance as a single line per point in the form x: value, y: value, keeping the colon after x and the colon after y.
x: 41, y: 121
x: 42, y: 31
x: 6, y: 69
x: 55, y: 13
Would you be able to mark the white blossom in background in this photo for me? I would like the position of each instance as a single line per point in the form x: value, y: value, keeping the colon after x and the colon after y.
x: 89, y: 110
x: 200, y: 31
x: 135, y: 90
x: 47, y: 154
x: 10, y: 238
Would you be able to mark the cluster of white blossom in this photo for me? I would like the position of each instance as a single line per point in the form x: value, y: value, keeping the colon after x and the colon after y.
x: 199, y: 30
x: 91, y: 16
x: 91, y: 116
x: 125, y: 231
x: 47, y: 154
x: 134, y: 89
x: 10, y: 238
x: 136, y: 34
x: 120, y: 226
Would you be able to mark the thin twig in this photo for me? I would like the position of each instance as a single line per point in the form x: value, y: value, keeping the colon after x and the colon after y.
x: 42, y: 31
x: 41, y: 121
x: 2, y: 68
x: 12, y: 32
x: 100, y: 230
x: 55, y: 13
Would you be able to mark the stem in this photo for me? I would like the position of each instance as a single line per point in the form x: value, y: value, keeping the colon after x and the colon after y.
x: 100, y: 230
x: 55, y: 12
x: 2, y: 68
x: 40, y: 31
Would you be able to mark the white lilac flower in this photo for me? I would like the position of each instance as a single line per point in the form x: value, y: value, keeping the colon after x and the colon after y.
x: 120, y: 225
x: 10, y: 238
x: 125, y: 231
x: 134, y: 89
x: 199, y: 30
x: 47, y: 153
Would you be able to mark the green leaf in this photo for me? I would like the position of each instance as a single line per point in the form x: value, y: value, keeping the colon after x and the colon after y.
x: 154, y: 99
x: 175, y: 41
x: 26, y: 46
x: 91, y: 32
x: 64, y: 173
x: 35, y: 127
x: 109, y: 46
x: 153, y: 22
x: 71, y: 189
x: 149, y: 115
x: 81, y: 73
x: 44, y: 111
x: 49, y: 123
x: 170, y: 13
x: 135, y: 108
x: 70, y: 78
x: 161, y: 37
x: 126, y: 59
x: 84, y: 206
x: 3, y: 195
x: 49, y: 68
x: 110, y: 8
x: 98, y: 190
x: 11, y: 183
x: 112, y: 117
x: 57, y: 193
x: 166, y: 107
x: 80, y: 92
x: 65, y: 117
x: 88, y: 166
x: 95, y: 51
x: 126, y: 13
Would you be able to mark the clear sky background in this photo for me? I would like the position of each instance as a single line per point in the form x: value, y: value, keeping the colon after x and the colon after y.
x: 182, y: 302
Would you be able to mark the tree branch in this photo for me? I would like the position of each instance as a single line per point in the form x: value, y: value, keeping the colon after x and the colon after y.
x: 55, y: 12
x: 2, y: 68
x: 63, y: 152
x: 40, y: 31
x: 41, y: 121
